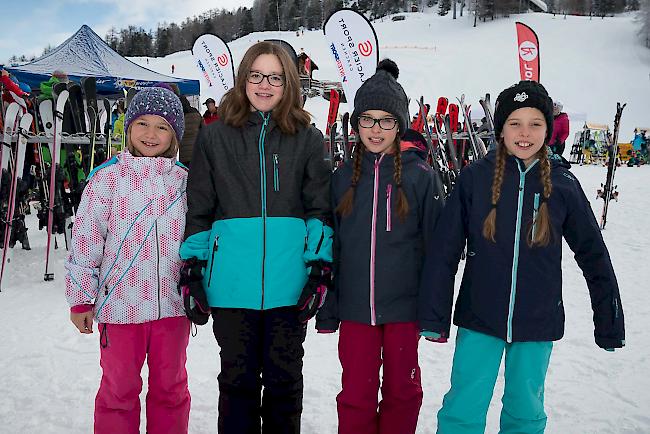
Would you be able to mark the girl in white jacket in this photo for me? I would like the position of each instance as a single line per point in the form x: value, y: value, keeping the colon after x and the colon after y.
x: 124, y: 267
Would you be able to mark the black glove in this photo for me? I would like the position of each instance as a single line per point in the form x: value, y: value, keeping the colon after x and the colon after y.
x: 191, y: 289
x: 315, y: 291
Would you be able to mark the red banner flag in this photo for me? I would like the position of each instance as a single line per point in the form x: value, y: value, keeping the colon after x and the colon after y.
x: 528, y: 51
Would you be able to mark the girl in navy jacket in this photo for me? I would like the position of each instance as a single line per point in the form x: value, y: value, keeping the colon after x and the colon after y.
x: 511, y: 210
x: 386, y: 204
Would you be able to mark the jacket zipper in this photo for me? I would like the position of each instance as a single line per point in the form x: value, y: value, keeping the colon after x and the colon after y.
x: 515, y: 261
x: 263, y: 195
x: 389, y: 189
x: 276, y: 172
x: 215, y: 247
x: 158, y: 267
x: 373, y: 242
x: 535, y: 211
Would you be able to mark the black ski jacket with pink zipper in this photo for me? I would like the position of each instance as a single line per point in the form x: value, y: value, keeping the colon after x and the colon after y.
x: 378, y: 257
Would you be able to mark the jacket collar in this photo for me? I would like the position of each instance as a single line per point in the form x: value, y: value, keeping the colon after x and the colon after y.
x: 512, y: 162
x: 257, y: 118
x: 147, y: 167
x: 408, y: 156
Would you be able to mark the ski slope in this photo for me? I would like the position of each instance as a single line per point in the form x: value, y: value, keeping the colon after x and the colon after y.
x: 587, y: 64
x: 50, y: 372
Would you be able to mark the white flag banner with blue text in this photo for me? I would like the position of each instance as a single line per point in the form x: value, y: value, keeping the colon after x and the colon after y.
x: 214, y: 60
x: 353, y: 44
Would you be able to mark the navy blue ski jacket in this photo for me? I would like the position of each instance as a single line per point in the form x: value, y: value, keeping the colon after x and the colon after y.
x: 510, y: 290
x: 377, y: 257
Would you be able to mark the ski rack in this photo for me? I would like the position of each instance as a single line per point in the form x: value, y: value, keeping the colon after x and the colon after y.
x: 75, y: 139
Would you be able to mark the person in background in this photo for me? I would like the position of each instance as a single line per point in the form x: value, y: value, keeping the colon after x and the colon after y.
x: 193, y: 123
x: 10, y: 86
x: 560, y: 129
x: 211, y: 113
x: 117, y: 118
x: 46, y: 86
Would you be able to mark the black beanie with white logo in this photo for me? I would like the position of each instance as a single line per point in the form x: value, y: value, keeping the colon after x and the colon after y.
x: 526, y: 93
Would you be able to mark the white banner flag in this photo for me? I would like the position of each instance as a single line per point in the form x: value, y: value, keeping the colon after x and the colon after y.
x: 214, y: 60
x: 353, y: 43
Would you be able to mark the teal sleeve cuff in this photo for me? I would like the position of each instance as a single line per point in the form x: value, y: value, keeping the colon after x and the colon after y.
x: 196, y: 246
x: 319, y: 241
x: 430, y: 334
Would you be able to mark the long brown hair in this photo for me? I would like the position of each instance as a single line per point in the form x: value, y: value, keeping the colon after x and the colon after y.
x: 541, y: 236
x: 169, y: 153
x: 347, y: 201
x: 234, y: 109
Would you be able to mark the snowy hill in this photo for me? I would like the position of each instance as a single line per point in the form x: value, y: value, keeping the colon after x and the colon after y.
x: 50, y: 373
x: 587, y: 64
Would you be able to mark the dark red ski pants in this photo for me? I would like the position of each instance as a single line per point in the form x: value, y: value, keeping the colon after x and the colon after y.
x: 362, y: 351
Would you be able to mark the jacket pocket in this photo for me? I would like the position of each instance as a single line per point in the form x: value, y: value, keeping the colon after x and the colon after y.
x: 215, y: 247
x: 276, y: 172
x: 535, y: 211
x: 389, y: 224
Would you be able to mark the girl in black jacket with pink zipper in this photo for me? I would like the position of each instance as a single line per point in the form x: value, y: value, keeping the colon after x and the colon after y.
x: 386, y: 204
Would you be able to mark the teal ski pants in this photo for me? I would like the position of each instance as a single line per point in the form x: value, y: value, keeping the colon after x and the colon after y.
x: 475, y: 368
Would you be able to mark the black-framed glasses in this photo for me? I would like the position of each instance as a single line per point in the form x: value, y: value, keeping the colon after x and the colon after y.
x: 384, y: 123
x: 275, y: 80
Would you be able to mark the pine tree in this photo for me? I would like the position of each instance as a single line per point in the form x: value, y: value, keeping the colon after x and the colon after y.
x: 271, y: 18
x: 644, y: 19
x: 443, y: 7
x: 314, y: 15
x: 246, y: 22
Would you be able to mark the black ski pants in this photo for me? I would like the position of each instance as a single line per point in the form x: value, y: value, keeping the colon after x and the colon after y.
x: 260, y: 350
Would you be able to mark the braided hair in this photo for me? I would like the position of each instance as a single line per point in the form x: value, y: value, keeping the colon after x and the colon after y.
x: 402, y: 201
x: 541, y: 236
x: 345, y: 206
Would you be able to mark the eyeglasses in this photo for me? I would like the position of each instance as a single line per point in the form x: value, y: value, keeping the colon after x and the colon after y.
x: 384, y: 123
x: 274, y: 80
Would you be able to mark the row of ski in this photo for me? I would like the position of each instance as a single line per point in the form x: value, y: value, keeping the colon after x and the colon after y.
x: 448, y: 149
x: 76, y: 136
x: 450, y: 145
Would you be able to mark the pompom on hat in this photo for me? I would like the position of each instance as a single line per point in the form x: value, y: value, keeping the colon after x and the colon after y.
x: 526, y: 93
x: 160, y: 102
x: 382, y: 92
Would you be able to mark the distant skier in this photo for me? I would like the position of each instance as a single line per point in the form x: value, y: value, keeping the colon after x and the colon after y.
x: 173, y: 68
x: 560, y: 129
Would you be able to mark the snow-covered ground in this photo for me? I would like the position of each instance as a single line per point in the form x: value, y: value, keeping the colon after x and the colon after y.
x: 49, y: 373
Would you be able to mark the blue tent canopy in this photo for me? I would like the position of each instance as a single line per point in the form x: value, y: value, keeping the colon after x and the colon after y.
x: 85, y: 54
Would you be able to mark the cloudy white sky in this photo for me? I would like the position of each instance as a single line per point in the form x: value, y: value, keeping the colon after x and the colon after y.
x: 30, y: 25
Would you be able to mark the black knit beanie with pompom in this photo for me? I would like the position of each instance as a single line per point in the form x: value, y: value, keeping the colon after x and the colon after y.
x: 382, y: 92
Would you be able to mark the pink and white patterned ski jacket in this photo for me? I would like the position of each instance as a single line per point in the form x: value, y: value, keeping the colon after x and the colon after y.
x: 124, y: 256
